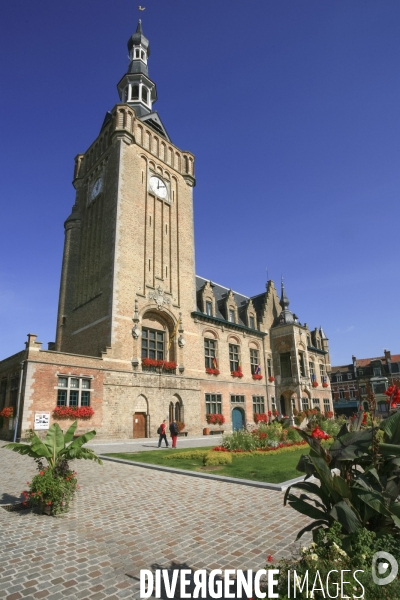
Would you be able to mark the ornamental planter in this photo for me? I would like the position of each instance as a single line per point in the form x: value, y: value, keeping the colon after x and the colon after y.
x: 237, y: 373
x: 206, y: 431
x: 325, y: 385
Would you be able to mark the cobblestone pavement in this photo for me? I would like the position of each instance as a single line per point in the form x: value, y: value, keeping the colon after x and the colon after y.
x: 127, y: 518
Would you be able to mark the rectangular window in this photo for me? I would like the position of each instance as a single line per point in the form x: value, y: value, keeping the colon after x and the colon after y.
x: 360, y: 372
x: 301, y: 364
x: 352, y: 392
x: 233, y: 357
x: 209, y: 353
x: 73, y: 391
x: 213, y: 404
x: 315, y: 402
x: 349, y: 376
x: 322, y: 371
x: 379, y: 388
x: 209, y: 308
x: 251, y: 323
x: 3, y: 392
x: 273, y: 403
x: 304, y: 403
x: 341, y: 394
x: 395, y: 368
x: 231, y: 316
x: 377, y: 372
x: 311, y: 370
x: 269, y: 367
x: 363, y: 389
x: 327, y: 405
x: 237, y: 399
x: 339, y: 378
x: 254, y: 360
x: 152, y: 344
x: 258, y: 404
x: 286, y: 365
x: 14, y: 391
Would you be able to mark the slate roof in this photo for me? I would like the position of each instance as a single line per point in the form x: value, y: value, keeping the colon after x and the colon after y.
x: 220, y: 294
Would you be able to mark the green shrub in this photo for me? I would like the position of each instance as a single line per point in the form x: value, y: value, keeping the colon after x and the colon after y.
x: 52, y: 488
x: 194, y: 455
x: 293, y: 435
x: 239, y: 440
x: 217, y: 458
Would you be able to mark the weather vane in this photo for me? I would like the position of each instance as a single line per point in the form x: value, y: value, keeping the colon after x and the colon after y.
x: 141, y: 7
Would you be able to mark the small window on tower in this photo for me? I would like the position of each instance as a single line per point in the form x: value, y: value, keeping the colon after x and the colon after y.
x: 142, y: 55
x: 144, y: 94
x: 137, y: 53
x: 126, y: 95
x: 135, y: 92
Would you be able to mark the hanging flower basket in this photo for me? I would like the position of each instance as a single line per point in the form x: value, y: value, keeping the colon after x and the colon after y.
x: 71, y: 412
x: 270, y: 378
x: 7, y: 412
x: 212, y: 371
x: 217, y: 419
x: 255, y: 376
x: 237, y: 373
x: 315, y: 384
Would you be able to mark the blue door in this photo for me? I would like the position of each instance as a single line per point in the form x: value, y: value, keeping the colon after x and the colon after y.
x: 237, y: 419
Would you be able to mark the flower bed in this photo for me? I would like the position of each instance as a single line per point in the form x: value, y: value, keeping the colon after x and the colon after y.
x: 7, y: 412
x: 72, y: 412
x: 215, y: 419
x: 256, y: 376
x: 212, y: 371
x: 281, y: 447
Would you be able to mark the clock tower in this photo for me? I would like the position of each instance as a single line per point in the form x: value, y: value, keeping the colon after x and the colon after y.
x: 129, y: 242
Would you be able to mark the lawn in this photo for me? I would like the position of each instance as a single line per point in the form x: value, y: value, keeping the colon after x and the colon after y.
x: 269, y: 467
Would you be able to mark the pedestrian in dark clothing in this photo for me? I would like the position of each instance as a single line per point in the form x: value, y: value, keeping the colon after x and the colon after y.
x: 173, y: 428
x: 161, y: 430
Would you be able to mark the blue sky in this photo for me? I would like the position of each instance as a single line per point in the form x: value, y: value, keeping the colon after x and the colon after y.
x: 292, y: 110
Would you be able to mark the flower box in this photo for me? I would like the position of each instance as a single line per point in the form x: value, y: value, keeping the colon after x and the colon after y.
x: 315, y: 384
x: 261, y: 417
x: 216, y: 419
x: 166, y: 365
x: 237, y: 373
x: 212, y: 371
x: 325, y: 385
x: 72, y: 412
x: 255, y: 376
x: 271, y: 378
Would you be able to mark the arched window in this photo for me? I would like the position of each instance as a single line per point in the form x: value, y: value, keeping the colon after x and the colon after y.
x: 145, y: 94
x: 135, y: 92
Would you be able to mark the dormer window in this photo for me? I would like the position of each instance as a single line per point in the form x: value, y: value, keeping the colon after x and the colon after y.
x: 208, y: 308
x: 231, y: 315
x: 145, y: 94
x: 251, y: 323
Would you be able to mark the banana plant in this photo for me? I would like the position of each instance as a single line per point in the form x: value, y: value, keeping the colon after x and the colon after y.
x: 56, y: 446
x: 364, y: 493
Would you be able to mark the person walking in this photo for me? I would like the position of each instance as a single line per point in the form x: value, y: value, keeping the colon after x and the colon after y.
x: 173, y: 428
x: 161, y: 430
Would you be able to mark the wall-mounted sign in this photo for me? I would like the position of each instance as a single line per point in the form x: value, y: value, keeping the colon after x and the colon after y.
x: 42, y: 420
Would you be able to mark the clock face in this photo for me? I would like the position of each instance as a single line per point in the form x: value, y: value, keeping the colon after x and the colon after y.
x: 96, y: 189
x: 158, y: 187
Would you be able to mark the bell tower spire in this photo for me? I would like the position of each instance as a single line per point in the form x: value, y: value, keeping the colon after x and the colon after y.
x: 136, y: 88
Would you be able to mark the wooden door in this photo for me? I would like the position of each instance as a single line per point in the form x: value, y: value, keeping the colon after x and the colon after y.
x: 139, y: 425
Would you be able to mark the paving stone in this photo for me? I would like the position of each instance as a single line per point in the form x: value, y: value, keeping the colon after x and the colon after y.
x: 118, y: 524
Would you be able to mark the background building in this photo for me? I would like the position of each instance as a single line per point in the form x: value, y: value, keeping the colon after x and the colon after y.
x: 139, y: 336
x: 351, y: 383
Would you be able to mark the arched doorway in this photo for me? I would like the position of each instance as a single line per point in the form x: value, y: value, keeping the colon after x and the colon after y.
x: 237, y: 419
x: 140, y: 423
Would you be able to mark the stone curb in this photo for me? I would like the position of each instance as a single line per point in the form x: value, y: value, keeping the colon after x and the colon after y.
x: 277, y: 487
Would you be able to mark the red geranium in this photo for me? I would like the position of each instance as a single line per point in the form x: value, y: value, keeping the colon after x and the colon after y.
x: 257, y: 376
x: 7, y: 412
x: 163, y: 364
x: 237, y: 373
x: 315, y: 384
x: 216, y: 419
x: 319, y: 434
x: 212, y: 371
x: 261, y: 418
x: 73, y: 412
x: 271, y: 378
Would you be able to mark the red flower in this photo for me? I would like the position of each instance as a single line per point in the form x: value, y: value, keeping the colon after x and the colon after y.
x: 269, y: 558
x: 255, y: 376
x: 271, y: 378
x: 315, y: 384
x: 212, y: 371
x: 237, y: 373
x: 41, y: 473
x: 73, y: 412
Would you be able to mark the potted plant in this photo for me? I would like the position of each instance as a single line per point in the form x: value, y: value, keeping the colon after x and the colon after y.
x: 55, y: 485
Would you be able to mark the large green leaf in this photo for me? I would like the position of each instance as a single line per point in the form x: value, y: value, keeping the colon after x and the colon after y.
x: 83, y: 439
x: 388, y: 449
x: 312, y: 488
x: 341, y: 486
x: 39, y: 448
x: 391, y: 427
x: 314, y: 525
x: 350, y: 446
x: 306, y: 509
x: 70, y: 433
x: 345, y: 515
x: 54, y: 441
x: 21, y: 449
x: 85, y: 453
x: 376, y: 501
x: 324, y: 472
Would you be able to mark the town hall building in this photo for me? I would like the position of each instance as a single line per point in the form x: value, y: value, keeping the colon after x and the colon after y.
x: 139, y: 337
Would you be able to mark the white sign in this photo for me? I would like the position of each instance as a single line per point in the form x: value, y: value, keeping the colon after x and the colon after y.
x: 10, y: 424
x: 42, y: 420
